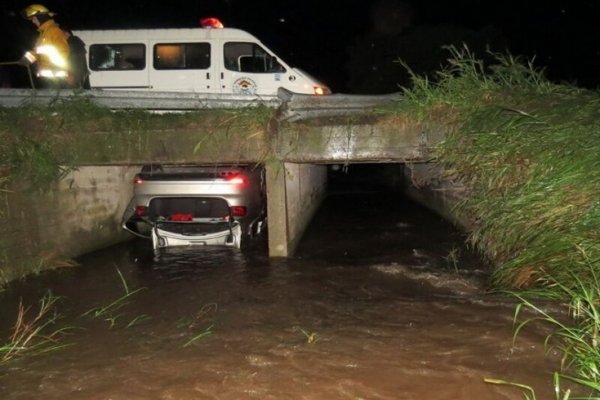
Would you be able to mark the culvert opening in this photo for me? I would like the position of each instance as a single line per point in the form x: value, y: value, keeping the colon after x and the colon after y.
x: 367, y: 218
x: 356, y: 178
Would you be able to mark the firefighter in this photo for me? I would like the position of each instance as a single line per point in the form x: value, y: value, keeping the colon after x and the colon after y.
x: 51, y: 51
x: 79, y: 76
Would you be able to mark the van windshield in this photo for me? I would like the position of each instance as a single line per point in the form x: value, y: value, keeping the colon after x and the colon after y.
x: 249, y: 57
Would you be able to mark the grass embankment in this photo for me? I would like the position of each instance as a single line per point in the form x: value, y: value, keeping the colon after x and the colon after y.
x: 528, y: 152
x: 40, y: 143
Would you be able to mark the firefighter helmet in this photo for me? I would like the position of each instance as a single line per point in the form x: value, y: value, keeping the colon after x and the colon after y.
x: 36, y: 9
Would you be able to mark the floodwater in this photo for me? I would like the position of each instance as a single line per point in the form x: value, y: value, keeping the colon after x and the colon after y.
x: 382, y: 301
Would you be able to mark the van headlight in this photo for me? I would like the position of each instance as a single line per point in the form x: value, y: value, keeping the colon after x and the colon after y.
x: 321, y: 90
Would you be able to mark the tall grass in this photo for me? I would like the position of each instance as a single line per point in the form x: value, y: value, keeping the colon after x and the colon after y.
x: 575, y: 333
x: 113, y: 311
x: 34, y: 334
x: 527, y: 150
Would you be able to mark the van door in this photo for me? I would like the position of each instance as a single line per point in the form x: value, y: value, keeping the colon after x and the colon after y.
x: 248, y: 69
x: 183, y: 67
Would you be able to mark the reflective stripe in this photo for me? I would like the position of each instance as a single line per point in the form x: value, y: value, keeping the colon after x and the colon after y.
x: 48, y: 73
x: 53, y: 55
x: 30, y: 57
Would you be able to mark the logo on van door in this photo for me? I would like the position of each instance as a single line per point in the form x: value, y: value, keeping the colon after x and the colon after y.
x: 244, y: 86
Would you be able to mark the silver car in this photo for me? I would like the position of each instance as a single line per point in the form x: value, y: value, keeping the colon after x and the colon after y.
x: 197, y: 205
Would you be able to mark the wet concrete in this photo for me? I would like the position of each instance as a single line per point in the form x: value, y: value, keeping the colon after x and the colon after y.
x: 382, y: 301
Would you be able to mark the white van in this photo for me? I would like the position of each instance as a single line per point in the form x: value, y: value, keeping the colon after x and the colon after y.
x: 202, y: 60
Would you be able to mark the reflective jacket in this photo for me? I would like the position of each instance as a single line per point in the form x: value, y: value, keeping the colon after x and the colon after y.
x: 52, y: 51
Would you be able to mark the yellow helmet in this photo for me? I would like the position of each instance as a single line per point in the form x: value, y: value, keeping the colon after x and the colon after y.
x: 36, y: 9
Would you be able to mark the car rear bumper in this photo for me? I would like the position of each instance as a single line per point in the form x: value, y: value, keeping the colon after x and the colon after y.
x: 162, y: 238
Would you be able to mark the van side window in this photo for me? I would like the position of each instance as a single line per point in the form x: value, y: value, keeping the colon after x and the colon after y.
x: 117, y: 57
x: 249, y: 57
x: 182, y: 56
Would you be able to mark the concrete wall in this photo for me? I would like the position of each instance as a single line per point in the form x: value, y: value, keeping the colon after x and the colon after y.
x: 348, y: 139
x: 79, y: 214
x: 294, y: 193
x: 425, y: 184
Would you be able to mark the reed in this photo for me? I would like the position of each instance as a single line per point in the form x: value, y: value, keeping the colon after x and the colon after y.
x: 529, y: 392
x: 34, y: 334
x: 578, y: 337
x: 112, y: 311
x: 204, y: 333
x: 311, y: 337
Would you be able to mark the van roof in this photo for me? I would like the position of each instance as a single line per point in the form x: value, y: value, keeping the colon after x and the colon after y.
x: 180, y: 34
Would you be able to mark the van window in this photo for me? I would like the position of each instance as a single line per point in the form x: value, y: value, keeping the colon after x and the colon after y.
x: 182, y: 56
x: 249, y: 57
x: 117, y: 57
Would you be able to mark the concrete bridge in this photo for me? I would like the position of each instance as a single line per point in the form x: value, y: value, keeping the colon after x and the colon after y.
x: 82, y: 212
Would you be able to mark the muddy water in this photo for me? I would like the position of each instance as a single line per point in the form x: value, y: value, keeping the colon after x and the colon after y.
x: 372, y: 307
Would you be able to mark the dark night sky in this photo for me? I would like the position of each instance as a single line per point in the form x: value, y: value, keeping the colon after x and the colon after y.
x: 324, y: 37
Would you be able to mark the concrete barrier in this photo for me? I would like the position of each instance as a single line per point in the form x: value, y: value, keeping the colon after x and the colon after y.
x: 294, y: 193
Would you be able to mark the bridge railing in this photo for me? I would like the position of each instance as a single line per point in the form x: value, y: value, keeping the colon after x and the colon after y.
x: 294, y: 106
x: 134, y: 99
x: 303, y: 106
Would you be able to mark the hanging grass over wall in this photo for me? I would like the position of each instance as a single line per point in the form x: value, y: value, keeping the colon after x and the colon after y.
x: 39, y: 144
x: 529, y: 152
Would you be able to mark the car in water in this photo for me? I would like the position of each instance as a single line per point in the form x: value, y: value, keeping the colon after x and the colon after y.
x: 194, y: 205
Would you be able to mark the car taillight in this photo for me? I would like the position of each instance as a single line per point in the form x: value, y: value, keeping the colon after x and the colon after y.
x: 140, y: 211
x: 138, y: 181
x: 237, y: 180
x: 239, y: 211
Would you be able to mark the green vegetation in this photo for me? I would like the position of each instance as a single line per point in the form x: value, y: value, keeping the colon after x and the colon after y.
x: 113, y: 311
x: 37, y: 334
x: 311, y: 337
x: 34, y: 334
x: 205, y: 314
x: 528, y: 392
x: 40, y: 144
x: 578, y: 338
x: 527, y: 152
x: 205, y: 332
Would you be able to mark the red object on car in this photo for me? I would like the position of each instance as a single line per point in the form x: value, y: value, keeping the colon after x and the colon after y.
x: 181, y: 217
x: 239, y: 211
x: 140, y: 211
